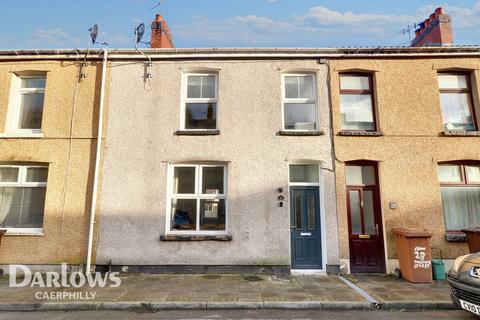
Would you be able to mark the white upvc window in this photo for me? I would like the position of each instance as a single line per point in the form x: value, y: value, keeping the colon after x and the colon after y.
x: 22, y: 198
x: 299, y: 102
x: 197, y: 199
x: 26, y: 104
x: 199, y: 109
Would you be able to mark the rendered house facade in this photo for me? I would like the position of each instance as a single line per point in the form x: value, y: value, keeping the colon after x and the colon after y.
x: 218, y: 161
x: 48, y: 123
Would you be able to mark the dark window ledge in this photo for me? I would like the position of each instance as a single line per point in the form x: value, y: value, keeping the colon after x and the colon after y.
x: 301, y: 133
x: 197, y: 132
x: 360, y: 133
x: 225, y: 237
x: 456, y: 237
x: 460, y: 133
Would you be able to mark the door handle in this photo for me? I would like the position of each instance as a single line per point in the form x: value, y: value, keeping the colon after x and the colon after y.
x: 376, y: 228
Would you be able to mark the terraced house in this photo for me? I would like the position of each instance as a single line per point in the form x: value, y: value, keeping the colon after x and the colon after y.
x: 49, y: 105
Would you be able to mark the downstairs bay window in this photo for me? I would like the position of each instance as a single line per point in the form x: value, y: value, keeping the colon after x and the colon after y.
x: 22, y: 197
x: 460, y: 188
x: 197, y: 199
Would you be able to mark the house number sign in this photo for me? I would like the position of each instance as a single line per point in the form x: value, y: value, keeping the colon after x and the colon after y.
x: 419, y: 260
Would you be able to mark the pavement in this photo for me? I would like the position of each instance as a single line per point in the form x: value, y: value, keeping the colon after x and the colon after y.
x: 147, y: 292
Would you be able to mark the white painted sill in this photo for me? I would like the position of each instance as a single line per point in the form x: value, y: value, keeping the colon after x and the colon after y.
x: 16, y: 134
x: 23, y: 232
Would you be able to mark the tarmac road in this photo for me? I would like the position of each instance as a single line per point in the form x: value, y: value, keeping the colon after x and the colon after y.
x: 241, y: 314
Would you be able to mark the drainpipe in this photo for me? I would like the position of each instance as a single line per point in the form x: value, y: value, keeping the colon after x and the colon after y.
x: 97, y: 162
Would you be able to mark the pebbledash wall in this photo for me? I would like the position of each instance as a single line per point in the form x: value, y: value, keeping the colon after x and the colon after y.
x: 144, y: 116
x: 65, y: 144
x: 411, y: 144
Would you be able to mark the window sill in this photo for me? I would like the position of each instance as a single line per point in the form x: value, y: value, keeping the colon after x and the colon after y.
x: 197, y: 132
x: 456, y: 237
x: 460, y: 133
x: 16, y: 135
x: 23, y: 232
x: 224, y: 237
x: 301, y: 133
x: 351, y: 133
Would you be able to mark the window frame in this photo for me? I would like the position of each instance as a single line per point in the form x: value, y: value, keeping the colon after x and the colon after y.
x: 370, y: 92
x: 14, y: 105
x: 22, y: 183
x: 185, y: 100
x: 468, y: 90
x: 198, y: 196
x: 464, y: 183
x: 286, y: 100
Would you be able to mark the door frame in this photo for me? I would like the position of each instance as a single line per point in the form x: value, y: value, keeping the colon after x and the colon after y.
x: 377, y: 207
x: 321, y: 198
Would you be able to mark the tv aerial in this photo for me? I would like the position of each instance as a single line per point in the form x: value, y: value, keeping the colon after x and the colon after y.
x: 408, y: 30
x: 139, y: 32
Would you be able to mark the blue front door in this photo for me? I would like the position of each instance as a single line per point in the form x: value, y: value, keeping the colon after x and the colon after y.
x: 306, y: 236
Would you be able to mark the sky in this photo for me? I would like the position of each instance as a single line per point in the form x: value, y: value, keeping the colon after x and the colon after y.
x: 45, y: 24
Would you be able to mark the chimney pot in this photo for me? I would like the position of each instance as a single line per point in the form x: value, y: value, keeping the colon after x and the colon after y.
x: 439, y: 11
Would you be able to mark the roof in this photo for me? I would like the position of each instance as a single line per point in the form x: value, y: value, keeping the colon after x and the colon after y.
x: 222, y: 53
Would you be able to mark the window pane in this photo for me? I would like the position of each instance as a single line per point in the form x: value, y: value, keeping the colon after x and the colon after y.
x: 31, y: 110
x: 212, y: 180
x: 37, y: 174
x: 449, y: 173
x: 298, y: 212
x: 291, y: 88
x: 212, y: 214
x: 368, y: 212
x: 304, y: 173
x: 8, y: 174
x: 354, y: 83
x: 184, y: 214
x: 37, y: 83
x: 300, y: 116
x: 306, y: 87
x: 456, y: 111
x: 461, y: 207
x: 311, y: 213
x: 201, y: 116
x: 360, y: 175
x: 208, y: 87
x: 22, y: 207
x: 194, y: 87
x: 356, y: 112
x: 452, y: 81
x: 355, y: 212
x: 473, y: 173
x: 184, y: 180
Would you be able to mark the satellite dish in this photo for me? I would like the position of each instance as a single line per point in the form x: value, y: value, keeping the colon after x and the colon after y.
x: 94, y: 33
x: 139, y: 32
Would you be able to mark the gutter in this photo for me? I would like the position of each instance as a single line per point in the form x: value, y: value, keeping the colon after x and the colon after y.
x: 97, y: 163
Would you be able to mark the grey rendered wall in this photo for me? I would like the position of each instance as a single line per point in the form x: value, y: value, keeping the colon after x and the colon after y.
x: 143, y: 118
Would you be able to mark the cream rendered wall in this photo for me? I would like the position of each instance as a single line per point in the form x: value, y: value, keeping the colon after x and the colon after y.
x: 409, y: 115
x: 141, y: 143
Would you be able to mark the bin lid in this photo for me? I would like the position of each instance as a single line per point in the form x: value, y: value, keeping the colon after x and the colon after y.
x: 412, y: 232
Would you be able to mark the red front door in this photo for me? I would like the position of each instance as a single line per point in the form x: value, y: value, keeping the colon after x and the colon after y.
x: 364, y: 220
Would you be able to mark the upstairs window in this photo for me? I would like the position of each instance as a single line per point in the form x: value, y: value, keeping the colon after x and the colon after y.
x: 201, y: 102
x: 356, y: 102
x: 26, y: 107
x: 456, y: 101
x: 22, y: 196
x: 299, y: 103
x: 198, y: 198
x: 460, y: 187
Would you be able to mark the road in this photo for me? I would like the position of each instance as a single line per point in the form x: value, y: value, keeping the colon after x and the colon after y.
x: 240, y: 314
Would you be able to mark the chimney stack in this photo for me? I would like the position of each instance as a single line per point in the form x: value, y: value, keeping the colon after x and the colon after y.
x: 435, y: 31
x: 161, y: 35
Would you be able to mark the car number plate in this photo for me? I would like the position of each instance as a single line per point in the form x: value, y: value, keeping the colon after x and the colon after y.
x: 470, y: 307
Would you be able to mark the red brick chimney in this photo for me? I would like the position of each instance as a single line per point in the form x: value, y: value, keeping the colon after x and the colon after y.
x: 434, y: 31
x: 161, y: 34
